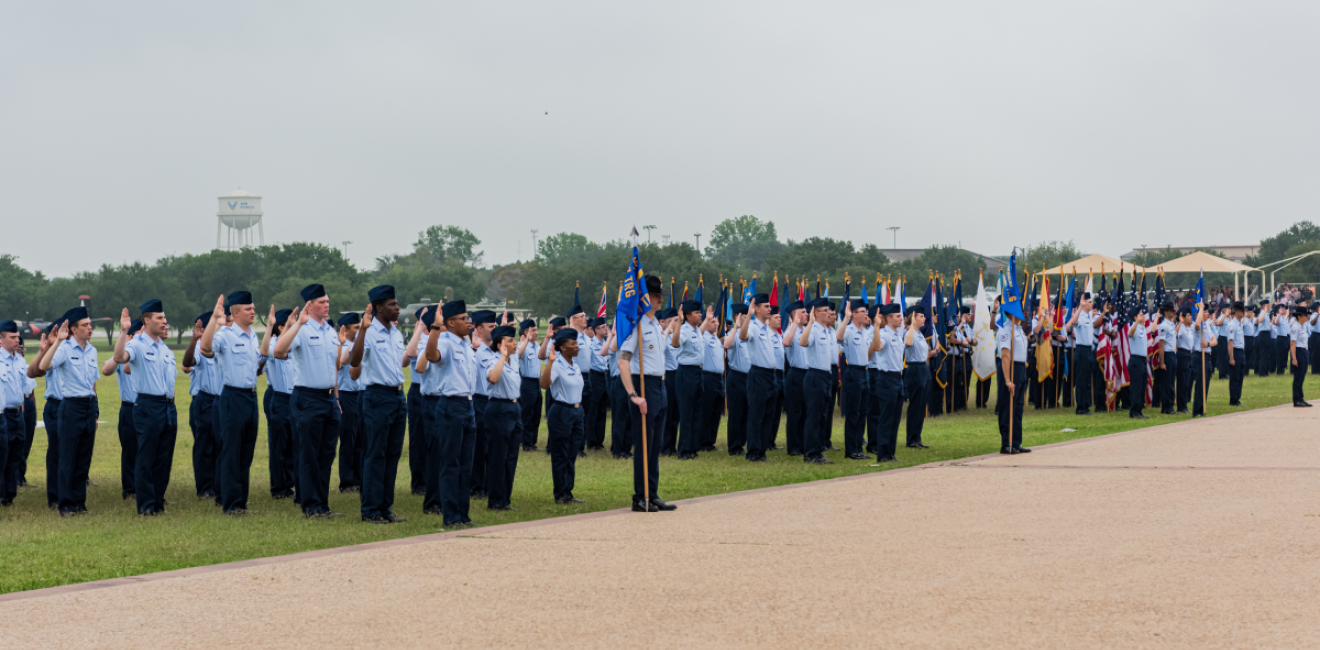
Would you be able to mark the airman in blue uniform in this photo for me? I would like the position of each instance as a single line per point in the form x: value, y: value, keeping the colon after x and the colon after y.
x: 311, y: 346
x: 276, y: 404
x: 153, y: 369
x: 204, y: 385
x: 350, y: 408
x: 378, y: 354
x: 74, y: 357
x: 451, y: 430
x: 503, y: 386
x: 127, y: 434
x: 236, y: 351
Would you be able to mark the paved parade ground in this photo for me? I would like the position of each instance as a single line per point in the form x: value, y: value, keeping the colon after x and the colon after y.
x: 1197, y: 534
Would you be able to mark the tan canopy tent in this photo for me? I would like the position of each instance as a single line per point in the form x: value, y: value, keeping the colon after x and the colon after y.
x: 1094, y: 263
x: 1202, y: 261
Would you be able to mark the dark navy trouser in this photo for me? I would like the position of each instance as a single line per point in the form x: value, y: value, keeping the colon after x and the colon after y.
x: 1137, y: 372
x: 564, y: 426
x: 712, y: 407
x: 1299, y: 375
x: 127, y: 449
x: 11, y: 453
x: 887, y: 390
x: 416, y: 416
x: 157, y: 424
x: 452, y: 428
x: 29, y: 433
x: 236, y: 427
x: 1169, y: 380
x: 689, y: 409
x: 350, y: 439
x: 621, y: 440
x: 384, y: 418
x: 669, y: 442
x: 760, y: 399
x: 1236, y: 373
x: 317, y: 433
x: 479, y: 403
x: 816, y: 398
x: 595, y: 401
x: 201, y: 421
x: 78, y: 435
x: 50, y: 417
x: 1010, y: 419
x: 735, y: 387
x: 916, y: 386
x: 530, y: 403
x: 502, y: 447
x: 856, y: 408
x: 279, y: 442
x: 795, y: 408
x: 657, y: 403
x: 1184, y: 389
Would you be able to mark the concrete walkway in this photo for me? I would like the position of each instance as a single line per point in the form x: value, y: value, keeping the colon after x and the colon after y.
x: 1201, y: 534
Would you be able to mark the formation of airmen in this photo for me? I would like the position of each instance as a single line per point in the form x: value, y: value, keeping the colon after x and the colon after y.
x: 481, y: 384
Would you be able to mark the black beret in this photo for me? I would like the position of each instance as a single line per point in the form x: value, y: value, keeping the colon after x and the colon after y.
x: 226, y: 309
x: 1238, y: 306
x: 151, y: 306
x: 240, y: 298
x: 525, y: 325
x: 740, y: 308
x: 76, y: 314
x: 577, y: 309
x: 503, y: 331
x: 558, y: 321
x: 312, y: 292
x: 596, y: 322
x: 8, y: 326
x: 567, y: 333
x: 891, y: 308
x: 382, y: 292
x: 857, y: 304
x: 483, y: 316
x: 418, y: 314
x: 654, y: 285
x: 668, y: 312
x: 282, y: 316
x: 964, y: 310
x: 870, y: 311
x: 205, y: 318
x: 760, y: 299
x: 818, y: 303
x: 134, y: 326
x: 453, y: 308
x: 689, y: 306
x: 795, y: 305
x: 351, y: 318
x: 54, y: 326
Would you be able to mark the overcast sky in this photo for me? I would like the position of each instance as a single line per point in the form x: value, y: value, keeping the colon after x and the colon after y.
x: 990, y: 124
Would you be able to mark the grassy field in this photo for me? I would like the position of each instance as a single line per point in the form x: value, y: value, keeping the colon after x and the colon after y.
x: 40, y: 549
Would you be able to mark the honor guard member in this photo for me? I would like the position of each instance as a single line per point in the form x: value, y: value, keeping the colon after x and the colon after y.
x: 483, y: 322
x: 854, y: 336
x: 1299, y: 334
x: 503, y: 387
x: 1012, y: 384
x: 75, y: 359
x: 712, y: 382
x: 279, y: 417
x: 529, y: 367
x: 620, y: 422
x: 152, y: 370
x: 740, y: 363
x: 378, y: 353
x: 597, y: 384
x: 687, y: 338
x: 127, y: 434
x: 816, y: 350
x: 962, y: 357
x: 13, y: 376
x: 886, y: 358
x: 418, y: 411
x: 204, y: 386
x: 917, y: 354
x: 236, y: 351
x: 794, y: 402
x: 1236, y: 353
x: 450, y: 448
x: 757, y: 338
x: 311, y: 346
x: 643, y: 351
x: 1137, y: 363
x: 1201, y: 359
x: 1167, y: 350
x: 350, y: 408
x: 669, y: 321
x: 1186, y: 338
x: 50, y: 412
x: 563, y: 380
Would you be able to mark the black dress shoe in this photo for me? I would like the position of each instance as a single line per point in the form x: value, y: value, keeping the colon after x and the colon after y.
x: 773, y: 448
x: 1300, y: 404
x: 1006, y: 450
x: 1235, y: 403
x: 1021, y: 450
x: 433, y: 511
x: 687, y: 456
x: 737, y: 451
x: 419, y: 493
x: 886, y: 459
x: 794, y: 452
x: 1138, y: 416
x: 818, y: 461
x: 8, y: 503
x: 127, y: 493
x: 756, y: 459
x: 1183, y: 412
x: 393, y: 518
x: 640, y: 505
x: 1083, y: 411
x: 1307, y: 404
x: 870, y: 450
x: 502, y: 508
x: 917, y: 445
x: 858, y: 457
x: 661, y: 505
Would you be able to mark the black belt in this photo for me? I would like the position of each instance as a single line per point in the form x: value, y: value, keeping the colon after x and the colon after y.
x: 457, y: 398
x: 211, y: 395
x: 80, y: 399
x: 317, y: 391
x: 155, y: 398
x: 384, y: 387
x: 823, y: 372
x: 888, y: 372
x: 11, y: 410
x: 506, y: 401
x: 246, y: 390
x: 567, y: 404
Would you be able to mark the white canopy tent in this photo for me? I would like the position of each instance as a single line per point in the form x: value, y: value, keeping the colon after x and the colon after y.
x: 1200, y: 261
x: 1093, y: 264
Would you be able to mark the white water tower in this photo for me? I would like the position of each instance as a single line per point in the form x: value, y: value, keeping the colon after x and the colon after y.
x: 239, y: 212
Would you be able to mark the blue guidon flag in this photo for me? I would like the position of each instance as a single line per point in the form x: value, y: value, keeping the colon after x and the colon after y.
x: 633, y: 301
x: 1012, y: 305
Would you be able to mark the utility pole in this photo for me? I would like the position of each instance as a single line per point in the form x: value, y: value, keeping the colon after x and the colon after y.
x: 894, y: 229
x: 698, y: 236
x: 534, y: 231
x: 346, y: 243
x: 648, y: 230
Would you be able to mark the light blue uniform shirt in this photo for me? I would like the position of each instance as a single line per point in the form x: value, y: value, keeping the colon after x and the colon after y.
x: 856, y: 344
x: 427, y: 381
x: 29, y: 384
x: 280, y: 373
x: 11, y: 380
x: 1315, y: 323
x: 1233, y: 330
x: 509, y: 385
x: 480, y: 356
x: 740, y: 357
x: 713, y: 355
x: 151, y: 362
x: 346, y: 382
x: 653, y: 355
x: 53, y: 382
x: 1207, y: 334
x: 313, y: 353
x: 1299, y: 333
x: 1167, y: 336
x: 777, y: 342
x: 205, y: 376
x: 1186, y: 336
x: 1084, y: 329
x: 819, y: 353
x: 613, y: 361
x: 760, y: 346
x: 453, y: 374
x: 690, y: 350
x: 918, y: 352
x: 671, y: 358
x: 1249, y: 327
x: 528, y: 364
x: 1137, y: 340
x: 1281, y: 328
x: 125, y: 382
x: 1011, y: 335
x: 796, y: 355
x: 599, y: 363
x: 890, y: 358
x: 78, y: 371
x: 565, y: 382
x: 236, y: 355
x: 382, y: 357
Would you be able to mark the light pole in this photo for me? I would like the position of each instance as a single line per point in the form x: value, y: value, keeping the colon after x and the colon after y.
x: 665, y: 239
x: 534, y: 231
x: 894, y: 229
x: 648, y: 230
x: 698, y: 236
x: 346, y: 243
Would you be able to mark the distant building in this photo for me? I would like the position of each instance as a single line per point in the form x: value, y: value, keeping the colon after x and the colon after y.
x: 1235, y: 253
x: 907, y: 254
